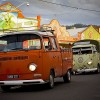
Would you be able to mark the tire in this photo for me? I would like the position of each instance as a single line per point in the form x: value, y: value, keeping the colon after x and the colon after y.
x: 51, y: 80
x: 73, y: 72
x: 6, y: 88
x: 67, y: 77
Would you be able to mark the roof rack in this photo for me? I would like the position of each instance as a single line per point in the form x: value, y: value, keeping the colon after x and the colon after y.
x: 46, y: 29
x: 32, y: 28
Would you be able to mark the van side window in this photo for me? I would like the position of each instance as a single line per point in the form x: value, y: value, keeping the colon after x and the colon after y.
x: 46, y: 43
x: 54, y: 43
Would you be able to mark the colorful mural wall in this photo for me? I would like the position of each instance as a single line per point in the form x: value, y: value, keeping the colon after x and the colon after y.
x: 12, y: 18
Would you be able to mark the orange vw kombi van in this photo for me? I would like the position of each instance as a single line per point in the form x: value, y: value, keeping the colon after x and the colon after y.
x: 32, y: 57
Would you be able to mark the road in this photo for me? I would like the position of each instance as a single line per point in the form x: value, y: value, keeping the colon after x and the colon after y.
x: 82, y: 87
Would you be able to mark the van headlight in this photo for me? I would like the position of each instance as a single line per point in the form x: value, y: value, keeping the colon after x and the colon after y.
x: 32, y: 67
x: 90, y: 62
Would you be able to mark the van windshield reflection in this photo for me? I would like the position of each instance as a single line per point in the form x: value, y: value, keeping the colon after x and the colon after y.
x: 20, y: 42
x: 82, y: 50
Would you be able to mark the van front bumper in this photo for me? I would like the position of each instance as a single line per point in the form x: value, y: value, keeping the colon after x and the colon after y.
x: 86, y: 70
x: 22, y: 82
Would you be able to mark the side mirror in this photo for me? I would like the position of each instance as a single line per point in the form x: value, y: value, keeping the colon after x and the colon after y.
x: 50, y: 47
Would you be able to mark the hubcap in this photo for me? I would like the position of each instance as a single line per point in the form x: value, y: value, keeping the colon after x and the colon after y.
x: 51, y: 81
x: 69, y: 76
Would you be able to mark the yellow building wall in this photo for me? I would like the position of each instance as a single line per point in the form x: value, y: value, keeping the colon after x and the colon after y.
x: 90, y: 33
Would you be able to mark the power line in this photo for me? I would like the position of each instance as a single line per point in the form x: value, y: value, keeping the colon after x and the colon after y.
x: 69, y: 6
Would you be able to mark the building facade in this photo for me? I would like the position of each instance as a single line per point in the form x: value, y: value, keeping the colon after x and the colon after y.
x: 91, y: 32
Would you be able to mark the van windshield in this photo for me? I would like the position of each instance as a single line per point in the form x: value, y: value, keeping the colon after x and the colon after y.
x: 82, y: 50
x: 20, y: 42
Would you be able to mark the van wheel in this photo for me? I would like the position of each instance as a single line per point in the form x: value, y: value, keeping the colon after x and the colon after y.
x: 67, y: 76
x: 51, y: 80
x: 73, y: 72
x: 6, y: 88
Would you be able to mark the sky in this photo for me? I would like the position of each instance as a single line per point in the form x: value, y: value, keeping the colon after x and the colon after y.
x: 67, y: 12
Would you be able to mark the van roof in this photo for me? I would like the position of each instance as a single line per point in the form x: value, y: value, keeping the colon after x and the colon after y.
x: 40, y: 33
x: 80, y: 46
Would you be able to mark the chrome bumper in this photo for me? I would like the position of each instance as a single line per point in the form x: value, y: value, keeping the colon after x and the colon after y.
x: 86, y: 70
x: 22, y: 82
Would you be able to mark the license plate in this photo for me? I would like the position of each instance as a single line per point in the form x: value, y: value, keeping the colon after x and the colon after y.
x: 12, y: 76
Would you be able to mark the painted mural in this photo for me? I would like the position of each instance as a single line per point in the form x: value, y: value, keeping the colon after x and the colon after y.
x: 7, y: 20
x: 12, y: 18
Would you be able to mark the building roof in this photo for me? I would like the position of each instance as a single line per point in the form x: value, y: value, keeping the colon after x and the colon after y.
x: 95, y: 27
x: 74, y: 32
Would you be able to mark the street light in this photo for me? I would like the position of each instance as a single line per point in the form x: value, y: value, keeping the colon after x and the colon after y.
x: 27, y: 3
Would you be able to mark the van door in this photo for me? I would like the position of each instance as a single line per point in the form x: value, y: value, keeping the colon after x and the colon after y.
x: 52, y: 56
x: 56, y: 57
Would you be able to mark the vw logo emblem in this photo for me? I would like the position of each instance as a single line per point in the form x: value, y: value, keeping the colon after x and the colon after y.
x: 80, y: 59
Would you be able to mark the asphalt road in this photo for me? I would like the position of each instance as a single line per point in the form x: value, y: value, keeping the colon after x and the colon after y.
x: 82, y: 87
